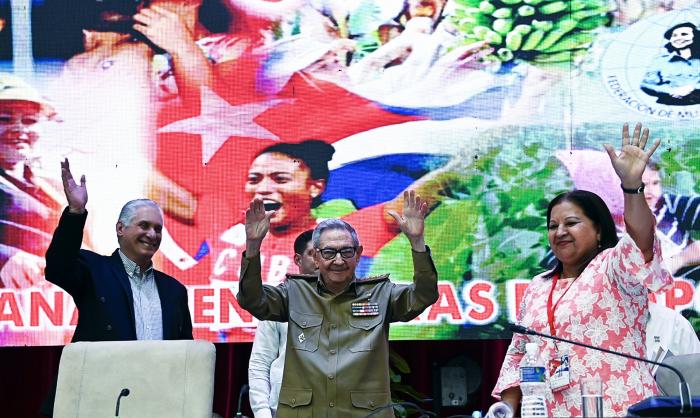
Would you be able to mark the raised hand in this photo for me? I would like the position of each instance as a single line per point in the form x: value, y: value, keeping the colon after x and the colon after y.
x: 76, y: 194
x: 467, y: 56
x: 257, y: 223
x: 164, y: 28
x: 632, y: 159
x: 412, y: 221
x: 22, y: 271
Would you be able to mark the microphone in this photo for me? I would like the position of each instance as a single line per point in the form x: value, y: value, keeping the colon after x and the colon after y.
x: 244, y: 390
x: 124, y: 392
x: 684, y: 389
x: 423, y: 413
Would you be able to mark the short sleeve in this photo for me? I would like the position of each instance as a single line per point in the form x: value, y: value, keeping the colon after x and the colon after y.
x: 685, y: 341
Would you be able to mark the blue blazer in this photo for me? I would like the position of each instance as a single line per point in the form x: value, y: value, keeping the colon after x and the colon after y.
x: 100, y: 288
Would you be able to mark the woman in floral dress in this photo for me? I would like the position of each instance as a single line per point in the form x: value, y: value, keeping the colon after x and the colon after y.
x: 597, y: 294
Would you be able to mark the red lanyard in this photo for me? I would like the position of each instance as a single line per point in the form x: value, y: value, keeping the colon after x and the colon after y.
x: 551, y: 307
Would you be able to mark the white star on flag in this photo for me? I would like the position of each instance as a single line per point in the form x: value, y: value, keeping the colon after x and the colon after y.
x: 219, y: 120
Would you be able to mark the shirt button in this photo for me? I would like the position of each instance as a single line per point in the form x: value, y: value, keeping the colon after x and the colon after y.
x: 331, y: 404
x: 330, y: 376
x: 303, y: 323
x: 108, y: 327
x: 371, y: 403
x: 294, y: 401
x: 333, y: 351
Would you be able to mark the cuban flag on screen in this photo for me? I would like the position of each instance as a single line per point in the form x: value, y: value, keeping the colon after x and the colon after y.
x: 206, y: 144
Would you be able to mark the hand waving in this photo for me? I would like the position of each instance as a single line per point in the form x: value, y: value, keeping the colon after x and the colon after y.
x: 412, y: 221
x: 22, y: 271
x: 257, y: 223
x: 164, y: 28
x: 76, y: 194
x: 632, y: 159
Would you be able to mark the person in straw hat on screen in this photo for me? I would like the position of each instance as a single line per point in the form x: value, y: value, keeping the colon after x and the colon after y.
x: 29, y: 204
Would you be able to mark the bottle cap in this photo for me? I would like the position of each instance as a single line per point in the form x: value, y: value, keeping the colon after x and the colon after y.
x: 531, y: 348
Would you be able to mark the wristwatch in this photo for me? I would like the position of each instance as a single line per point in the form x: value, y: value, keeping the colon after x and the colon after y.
x: 638, y: 190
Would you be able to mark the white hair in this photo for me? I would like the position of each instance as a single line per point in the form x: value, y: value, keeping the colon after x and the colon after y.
x: 129, y: 209
x: 330, y: 224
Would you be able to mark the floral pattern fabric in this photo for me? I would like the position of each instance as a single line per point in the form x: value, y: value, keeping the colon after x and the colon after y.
x: 606, y: 306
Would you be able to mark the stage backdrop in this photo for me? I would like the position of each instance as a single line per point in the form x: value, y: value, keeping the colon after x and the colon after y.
x: 489, y: 108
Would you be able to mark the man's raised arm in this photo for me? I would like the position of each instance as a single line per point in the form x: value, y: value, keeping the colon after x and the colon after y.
x: 264, y: 302
x: 408, y: 301
x: 62, y: 256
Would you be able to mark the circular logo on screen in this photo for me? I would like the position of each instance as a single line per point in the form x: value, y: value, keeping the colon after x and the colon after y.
x: 653, y: 67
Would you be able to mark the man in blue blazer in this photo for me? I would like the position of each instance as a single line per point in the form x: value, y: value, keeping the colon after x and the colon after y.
x: 119, y: 297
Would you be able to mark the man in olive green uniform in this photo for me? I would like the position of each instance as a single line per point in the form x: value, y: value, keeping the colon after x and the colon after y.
x: 337, y: 360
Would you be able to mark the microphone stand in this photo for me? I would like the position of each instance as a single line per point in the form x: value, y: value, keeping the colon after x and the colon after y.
x: 684, y: 389
x: 124, y: 392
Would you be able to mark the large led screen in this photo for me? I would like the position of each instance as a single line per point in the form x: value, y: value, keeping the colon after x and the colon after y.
x: 488, y: 108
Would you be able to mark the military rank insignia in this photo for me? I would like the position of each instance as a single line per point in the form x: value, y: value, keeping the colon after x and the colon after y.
x: 365, y: 309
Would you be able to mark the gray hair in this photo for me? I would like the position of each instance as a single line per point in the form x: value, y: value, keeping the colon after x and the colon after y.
x: 330, y: 224
x: 129, y: 209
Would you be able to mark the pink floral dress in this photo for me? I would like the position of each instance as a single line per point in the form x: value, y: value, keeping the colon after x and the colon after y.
x: 606, y: 306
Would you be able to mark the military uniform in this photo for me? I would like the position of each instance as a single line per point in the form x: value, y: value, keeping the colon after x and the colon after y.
x: 337, y: 361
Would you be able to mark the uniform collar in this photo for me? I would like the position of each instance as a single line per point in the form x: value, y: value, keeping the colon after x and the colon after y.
x: 321, y: 287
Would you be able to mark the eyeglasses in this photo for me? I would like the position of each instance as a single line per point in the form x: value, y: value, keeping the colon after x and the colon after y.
x: 330, y: 253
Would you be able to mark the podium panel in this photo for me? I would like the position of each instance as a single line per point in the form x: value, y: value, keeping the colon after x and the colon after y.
x: 164, y: 379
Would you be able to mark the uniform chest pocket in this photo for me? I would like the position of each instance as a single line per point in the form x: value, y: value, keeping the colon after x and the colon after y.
x: 295, y: 403
x: 304, y: 330
x: 370, y: 400
x: 365, y: 332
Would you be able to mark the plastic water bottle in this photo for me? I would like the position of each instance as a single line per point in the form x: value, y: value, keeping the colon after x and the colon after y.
x: 533, y: 384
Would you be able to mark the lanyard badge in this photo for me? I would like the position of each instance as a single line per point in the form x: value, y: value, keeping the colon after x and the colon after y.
x: 559, y: 373
x: 559, y: 366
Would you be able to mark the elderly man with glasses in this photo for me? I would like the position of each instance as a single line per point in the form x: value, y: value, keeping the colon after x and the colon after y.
x: 337, y: 360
